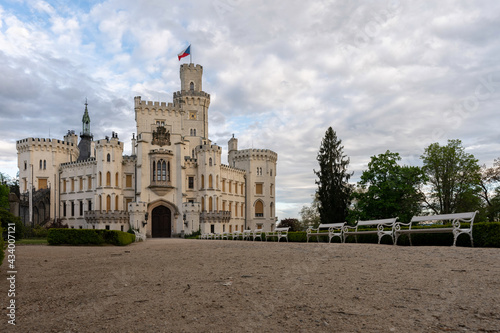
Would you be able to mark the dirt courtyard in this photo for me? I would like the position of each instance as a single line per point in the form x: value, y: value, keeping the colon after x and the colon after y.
x: 176, y: 285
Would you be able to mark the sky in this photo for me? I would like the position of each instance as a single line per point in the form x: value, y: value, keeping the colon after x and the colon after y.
x: 385, y: 75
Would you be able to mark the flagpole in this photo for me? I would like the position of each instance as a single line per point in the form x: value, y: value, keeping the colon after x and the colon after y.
x: 190, y: 52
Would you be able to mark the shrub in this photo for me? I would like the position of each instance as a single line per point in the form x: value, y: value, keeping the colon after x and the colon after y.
x: 89, y: 237
x: 74, y: 237
x: 2, y: 253
x: 6, y: 217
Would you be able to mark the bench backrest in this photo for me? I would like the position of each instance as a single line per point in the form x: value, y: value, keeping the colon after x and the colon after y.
x: 465, y: 217
x: 282, y: 229
x: 377, y: 222
x: 331, y: 225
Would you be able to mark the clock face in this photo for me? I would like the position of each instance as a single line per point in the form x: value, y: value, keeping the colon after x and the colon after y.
x: 192, y: 115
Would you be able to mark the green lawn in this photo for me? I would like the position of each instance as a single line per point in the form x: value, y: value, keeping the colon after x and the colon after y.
x: 32, y: 241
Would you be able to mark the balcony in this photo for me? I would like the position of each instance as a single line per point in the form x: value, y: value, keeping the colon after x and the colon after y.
x: 160, y: 187
x: 211, y: 217
x: 102, y: 216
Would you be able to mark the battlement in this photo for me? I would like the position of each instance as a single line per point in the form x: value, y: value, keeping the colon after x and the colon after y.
x: 35, y: 141
x: 255, y: 154
x: 227, y: 168
x: 88, y: 161
x: 208, y: 148
x: 139, y: 102
x: 107, y: 141
x: 190, y: 93
x: 191, y: 207
x: 191, y: 67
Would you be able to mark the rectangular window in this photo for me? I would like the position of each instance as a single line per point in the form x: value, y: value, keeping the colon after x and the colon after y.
x: 223, y: 185
x: 81, y: 208
x: 64, y: 185
x: 72, y: 185
x: 72, y: 208
x: 81, y: 184
x: 107, y: 227
x: 42, y: 183
x: 129, y: 181
x: 81, y: 227
x: 212, y: 228
x: 89, y: 182
x: 229, y: 185
x: 127, y: 201
x: 64, y: 208
x: 258, y: 188
x: 235, y: 188
x: 191, y: 182
x: 89, y: 205
x: 121, y: 228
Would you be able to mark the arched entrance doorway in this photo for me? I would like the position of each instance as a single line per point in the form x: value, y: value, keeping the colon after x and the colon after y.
x: 161, y: 222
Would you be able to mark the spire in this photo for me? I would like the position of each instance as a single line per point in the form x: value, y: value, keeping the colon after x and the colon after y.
x: 86, y: 120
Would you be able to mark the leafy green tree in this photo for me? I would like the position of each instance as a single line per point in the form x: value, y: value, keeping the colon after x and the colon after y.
x: 292, y: 223
x: 4, y: 196
x: 454, y: 177
x: 309, y: 215
x: 390, y: 190
x: 334, y: 190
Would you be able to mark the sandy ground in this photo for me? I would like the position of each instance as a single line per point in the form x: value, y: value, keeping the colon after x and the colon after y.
x: 175, y: 285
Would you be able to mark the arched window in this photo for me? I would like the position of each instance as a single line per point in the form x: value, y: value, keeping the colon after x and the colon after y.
x: 116, y: 202
x: 210, y: 161
x: 217, y: 181
x: 202, y: 181
x: 108, y: 203
x: 191, y: 86
x: 210, y: 203
x: 259, y: 209
x: 194, y: 132
x: 210, y: 182
x: 40, y: 164
x: 192, y: 153
x: 100, y: 178
x: 44, y: 164
x: 108, y: 178
x: 154, y: 172
x: 202, y: 204
x: 271, y: 172
x: 271, y: 210
x: 116, y: 180
x: 108, y: 158
x: 236, y: 209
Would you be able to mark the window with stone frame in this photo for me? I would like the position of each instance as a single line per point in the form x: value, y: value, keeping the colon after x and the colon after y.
x: 191, y: 182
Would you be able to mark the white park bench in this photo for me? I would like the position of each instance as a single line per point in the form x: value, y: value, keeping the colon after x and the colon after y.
x: 383, y: 227
x: 257, y: 233
x: 334, y: 230
x: 247, y: 234
x: 236, y: 234
x: 225, y: 235
x: 278, y: 233
x: 454, y: 228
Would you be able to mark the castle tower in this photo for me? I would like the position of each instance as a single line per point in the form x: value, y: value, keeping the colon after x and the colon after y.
x: 86, y: 137
x: 193, y: 101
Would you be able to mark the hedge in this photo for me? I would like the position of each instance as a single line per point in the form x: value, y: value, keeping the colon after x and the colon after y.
x: 485, y: 234
x: 88, y: 237
x: 2, y: 253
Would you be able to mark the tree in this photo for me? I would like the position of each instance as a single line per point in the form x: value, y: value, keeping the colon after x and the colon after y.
x: 293, y: 224
x: 388, y: 190
x: 310, y: 215
x: 490, y: 189
x: 334, y: 190
x: 454, y: 178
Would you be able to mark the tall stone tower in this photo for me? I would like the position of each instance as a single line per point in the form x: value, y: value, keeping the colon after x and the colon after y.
x: 193, y: 101
x: 86, y: 137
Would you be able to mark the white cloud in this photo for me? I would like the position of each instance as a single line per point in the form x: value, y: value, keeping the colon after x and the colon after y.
x: 384, y: 75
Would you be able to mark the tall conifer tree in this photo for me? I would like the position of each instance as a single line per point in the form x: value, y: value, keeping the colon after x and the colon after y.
x: 334, y: 190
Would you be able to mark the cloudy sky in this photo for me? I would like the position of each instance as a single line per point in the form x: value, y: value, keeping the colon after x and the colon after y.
x: 386, y: 75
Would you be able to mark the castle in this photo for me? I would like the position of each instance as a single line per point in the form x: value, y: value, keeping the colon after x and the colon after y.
x: 172, y: 184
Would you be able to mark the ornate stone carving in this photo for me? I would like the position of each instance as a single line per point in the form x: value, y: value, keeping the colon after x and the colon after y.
x: 161, y: 137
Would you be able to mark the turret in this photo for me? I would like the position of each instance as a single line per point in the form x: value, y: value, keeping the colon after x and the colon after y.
x: 191, y: 77
x: 86, y: 137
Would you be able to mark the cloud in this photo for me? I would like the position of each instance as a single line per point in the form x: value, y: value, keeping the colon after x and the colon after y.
x: 394, y: 75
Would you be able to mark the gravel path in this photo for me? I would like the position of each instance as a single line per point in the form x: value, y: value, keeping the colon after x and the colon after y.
x: 176, y: 285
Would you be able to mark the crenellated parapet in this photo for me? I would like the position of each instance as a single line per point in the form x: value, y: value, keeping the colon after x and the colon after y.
x: 208, y: 149
x: 255, y: 154
x: 30, y: 144
x: 155, y: 108
x: 70, y: 165
x: 230, y: 170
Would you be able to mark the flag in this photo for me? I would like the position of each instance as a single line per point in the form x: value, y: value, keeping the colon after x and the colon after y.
x: 185, y: 53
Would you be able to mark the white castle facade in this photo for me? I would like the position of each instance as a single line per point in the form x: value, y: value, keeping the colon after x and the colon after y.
x: 172, y: 184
